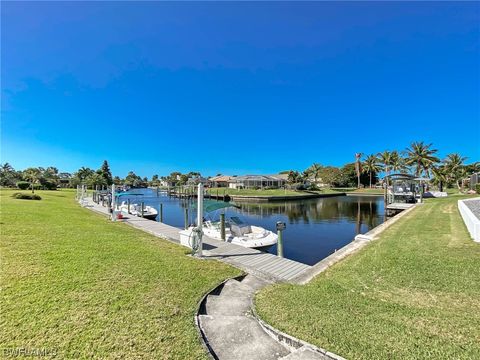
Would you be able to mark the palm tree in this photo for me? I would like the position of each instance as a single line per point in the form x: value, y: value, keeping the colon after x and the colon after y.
x: 397, y: 162
x: 455, y: 169
x: 371, y: 166
x: 440, y: 177
x: 385, y: 158
x: 422, y: 157
x: 7, y: 174
x: 358, y: 167
x: 314, y: 170
x: 33, y: 175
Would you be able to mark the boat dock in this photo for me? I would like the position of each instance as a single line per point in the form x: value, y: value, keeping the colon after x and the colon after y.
x: 399, y: 206
x: 264, y: 265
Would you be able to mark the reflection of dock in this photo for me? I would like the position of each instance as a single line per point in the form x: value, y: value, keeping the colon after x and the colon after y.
x: 259, y: 263
x: 399, y: 206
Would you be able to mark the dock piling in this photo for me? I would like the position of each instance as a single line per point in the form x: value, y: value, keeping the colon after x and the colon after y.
x: 143, y: 208
x: 185, y: 218
x: 160, y: 213
x: 222, y: 227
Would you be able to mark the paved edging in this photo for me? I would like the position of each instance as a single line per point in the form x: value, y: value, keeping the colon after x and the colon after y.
x: 359, y: 242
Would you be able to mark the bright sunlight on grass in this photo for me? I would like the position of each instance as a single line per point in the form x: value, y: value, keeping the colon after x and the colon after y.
x: 74, y: 282
x: 412, y: 294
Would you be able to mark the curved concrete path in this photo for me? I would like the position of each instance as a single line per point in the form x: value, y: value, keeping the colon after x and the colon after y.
x: 232, y: 332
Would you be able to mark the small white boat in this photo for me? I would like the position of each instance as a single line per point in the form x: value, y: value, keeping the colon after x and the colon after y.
x: 239, y: 233
x: 149, y: 212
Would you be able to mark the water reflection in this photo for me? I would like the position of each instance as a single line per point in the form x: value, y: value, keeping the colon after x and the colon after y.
x: 315, y: 227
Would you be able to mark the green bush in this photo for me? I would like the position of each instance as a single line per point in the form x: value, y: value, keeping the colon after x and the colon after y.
x: 313, y: 187
x: 49, y: 185
x: 23, y: 185
x: 24, y: 196
x: 477, y: 188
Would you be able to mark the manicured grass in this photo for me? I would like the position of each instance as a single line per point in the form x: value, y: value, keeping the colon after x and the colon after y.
x: 412, y: 294
x: 260, y: 192
x: 373, y: 191
x: 89, y: 288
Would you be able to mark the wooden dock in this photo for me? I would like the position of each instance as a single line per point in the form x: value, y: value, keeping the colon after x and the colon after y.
x: 399, y: 206
x: 267, y: 266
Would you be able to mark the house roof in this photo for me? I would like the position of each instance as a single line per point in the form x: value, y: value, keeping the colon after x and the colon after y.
x: 221, y: 178
x: 276, y: 177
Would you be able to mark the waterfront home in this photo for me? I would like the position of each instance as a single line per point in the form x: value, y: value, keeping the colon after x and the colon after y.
x: 220, y: 181
x: 258, y: 181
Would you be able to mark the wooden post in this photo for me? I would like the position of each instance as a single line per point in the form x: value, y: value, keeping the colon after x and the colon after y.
x: 280, y: 243
x: 185, y: 218
x: 143, y: 208
x: 128, y: 206
x: 160, y: 213
x: 222, y: 227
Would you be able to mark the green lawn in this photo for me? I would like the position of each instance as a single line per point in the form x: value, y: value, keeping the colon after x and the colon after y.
x: 75, y: 282
x: 412, y: 294
x: 260, y: 192
x: 373, y: 191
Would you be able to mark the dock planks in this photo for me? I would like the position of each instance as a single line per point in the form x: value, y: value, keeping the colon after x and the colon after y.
x: 265, y: 265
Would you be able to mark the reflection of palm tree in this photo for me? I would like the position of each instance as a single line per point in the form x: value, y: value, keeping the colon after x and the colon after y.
x: 359, y: 218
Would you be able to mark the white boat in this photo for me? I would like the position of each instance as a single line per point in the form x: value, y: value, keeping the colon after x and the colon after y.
x: 239, y: 233
x: 149, y: 212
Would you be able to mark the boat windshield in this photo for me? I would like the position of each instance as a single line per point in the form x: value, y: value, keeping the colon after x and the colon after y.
x: 237, y: 221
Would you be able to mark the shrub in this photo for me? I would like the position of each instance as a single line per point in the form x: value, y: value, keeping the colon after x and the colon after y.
x: 49, y: 185
x: 477, y: 188
x: 24, y: 196
x: 313, y: 187
x: 23, y: 185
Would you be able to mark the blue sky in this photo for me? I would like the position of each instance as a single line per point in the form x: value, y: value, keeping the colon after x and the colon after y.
x: 235, y: 88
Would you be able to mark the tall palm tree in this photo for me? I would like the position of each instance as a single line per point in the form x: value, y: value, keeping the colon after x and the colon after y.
x: 358, y: 167
x: 7, y: 174
x: 385, y: 158
x: 33, y: 175
x: 371, y: 166
x: 422, y: 157
x: 455, y: 168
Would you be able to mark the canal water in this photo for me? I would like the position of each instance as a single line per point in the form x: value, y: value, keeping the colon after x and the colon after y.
x: 315, y: 227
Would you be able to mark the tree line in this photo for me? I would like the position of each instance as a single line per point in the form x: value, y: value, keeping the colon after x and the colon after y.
x: 419, y: 159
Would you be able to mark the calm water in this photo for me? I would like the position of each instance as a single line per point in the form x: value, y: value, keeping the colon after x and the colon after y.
x: 315, y: 227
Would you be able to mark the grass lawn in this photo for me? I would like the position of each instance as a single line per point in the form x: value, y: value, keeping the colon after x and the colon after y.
x: 260, y: 192
x: 360, y: 191
x: 89, y: 288
x: 412, y: 294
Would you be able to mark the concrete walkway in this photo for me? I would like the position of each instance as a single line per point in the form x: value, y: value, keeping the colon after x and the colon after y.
x: 232, y: 332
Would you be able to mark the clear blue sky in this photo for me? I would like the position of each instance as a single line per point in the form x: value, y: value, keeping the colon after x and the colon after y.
x: 235, y: 88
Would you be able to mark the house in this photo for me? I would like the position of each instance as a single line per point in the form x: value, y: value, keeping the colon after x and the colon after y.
x: 195, y: 180
x: 257, y: 181
x: 220, y: 181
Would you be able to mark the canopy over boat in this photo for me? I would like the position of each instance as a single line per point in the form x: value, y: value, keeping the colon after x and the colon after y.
x: 212, y: 205
x: 128, y: 194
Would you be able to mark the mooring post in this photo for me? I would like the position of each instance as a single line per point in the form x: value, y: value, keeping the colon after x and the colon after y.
x: 160, y: 212
x: 158, y: 191
x: 143, y: 208
x: 185, y: 218
x: 128, y: 206
x: 200, y: 219
x: 114, y: 205
x: 222, y: 227
x: 280, y: 227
